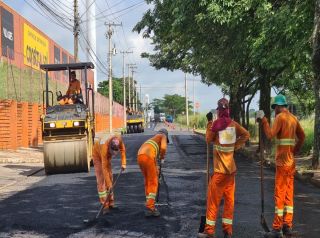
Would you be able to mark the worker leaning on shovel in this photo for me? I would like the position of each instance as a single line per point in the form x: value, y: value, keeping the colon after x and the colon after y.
x: 227, y: 136
x: 286, y: 128
x: 147, y: 160
x: 102, y: 155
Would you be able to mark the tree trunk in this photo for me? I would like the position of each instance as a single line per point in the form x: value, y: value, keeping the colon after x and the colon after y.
x: 248, y: 111
x: 235, y: 105
x: 316, y: 68
x: 265, y: 98
x: 243, y: 113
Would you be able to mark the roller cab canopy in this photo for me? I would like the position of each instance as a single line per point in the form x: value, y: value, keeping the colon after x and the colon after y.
x: 72, y: 66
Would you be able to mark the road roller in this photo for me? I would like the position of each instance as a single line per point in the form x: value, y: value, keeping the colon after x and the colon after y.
x: 135, y: 123
x: 68, y: 130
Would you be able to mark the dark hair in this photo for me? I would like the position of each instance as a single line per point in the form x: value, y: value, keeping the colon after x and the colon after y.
x: 209, y: 116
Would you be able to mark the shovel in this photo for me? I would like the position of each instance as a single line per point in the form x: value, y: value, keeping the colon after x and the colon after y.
x: 203, y: 218
x: 95, y: 219
x: 263, y: 221
x: 161, y: 176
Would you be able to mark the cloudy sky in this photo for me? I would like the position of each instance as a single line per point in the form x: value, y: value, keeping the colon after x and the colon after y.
x: 156, y: 83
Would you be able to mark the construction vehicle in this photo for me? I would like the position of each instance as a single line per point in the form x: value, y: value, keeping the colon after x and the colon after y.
x: 135, y: 123
x: 68, y: 130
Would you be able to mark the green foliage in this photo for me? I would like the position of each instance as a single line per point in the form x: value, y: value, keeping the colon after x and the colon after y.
x: 117, y: 88
x: 308, y: 127
x: 171, y: 104
x: 236, y: 44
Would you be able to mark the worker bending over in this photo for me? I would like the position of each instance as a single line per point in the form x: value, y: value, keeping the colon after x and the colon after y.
x: 74, y: 89
x: 147, y: 160
x: 227, y: 136
x: 102, y: 155
x: 289, y: 139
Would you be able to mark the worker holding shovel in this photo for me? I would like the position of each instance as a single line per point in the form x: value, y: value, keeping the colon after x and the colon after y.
x: 102, y: 155
x: 227, y: 136
x: 147, y: 160
x: 289, y: 139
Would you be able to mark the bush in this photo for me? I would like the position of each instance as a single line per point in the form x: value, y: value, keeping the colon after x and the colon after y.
x: 308, y: 127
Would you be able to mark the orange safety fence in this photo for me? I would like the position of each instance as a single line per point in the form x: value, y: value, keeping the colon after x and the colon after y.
x: 20, y: 124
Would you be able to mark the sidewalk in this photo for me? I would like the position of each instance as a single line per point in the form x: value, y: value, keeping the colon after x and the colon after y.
x: 303, y: 164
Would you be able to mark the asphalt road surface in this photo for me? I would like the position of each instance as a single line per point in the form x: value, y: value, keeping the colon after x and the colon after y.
x: 56, y: 205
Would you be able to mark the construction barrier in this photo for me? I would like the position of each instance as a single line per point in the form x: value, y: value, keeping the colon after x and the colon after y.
x: 20, y: 124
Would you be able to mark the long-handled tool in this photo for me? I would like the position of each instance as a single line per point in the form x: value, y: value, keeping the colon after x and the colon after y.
x: 161, y: 176
x: 263, y: 221
x: 95, y: 219
x: 203, y: 218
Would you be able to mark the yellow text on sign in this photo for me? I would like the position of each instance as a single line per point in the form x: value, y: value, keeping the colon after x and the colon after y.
x: 35, y: 47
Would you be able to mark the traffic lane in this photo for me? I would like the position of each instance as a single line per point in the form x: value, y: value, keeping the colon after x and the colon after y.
x: 57, y: 205
x: 248, y: 200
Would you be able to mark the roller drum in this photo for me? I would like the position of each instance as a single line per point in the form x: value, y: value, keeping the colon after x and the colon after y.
x: 66, y: 156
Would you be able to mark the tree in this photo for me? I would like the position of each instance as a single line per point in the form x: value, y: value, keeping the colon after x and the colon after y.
x: 117, y: 86
x: 316, y: 83
x: 170, y: 104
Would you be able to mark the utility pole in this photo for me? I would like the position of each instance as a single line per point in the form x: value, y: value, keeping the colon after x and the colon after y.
x: 186, y: 95
x: 134, y: 90
x: 109, y: 35
x: 132, y: 98
x: 75, y: 30
x: 140, y: 96
x: 124, y: 89
x: 194, y: 103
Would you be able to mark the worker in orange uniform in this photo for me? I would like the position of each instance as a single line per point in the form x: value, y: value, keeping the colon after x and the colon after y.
x: 147, y: 160
x: 227, y: 136
x: 289, y: 139
x: 102, y: 155
x: 209, y: 117
x: 73, y: 90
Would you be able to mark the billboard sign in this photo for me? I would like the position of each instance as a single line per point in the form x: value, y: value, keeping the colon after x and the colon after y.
x: 35, y: 48
x: 7, y: 33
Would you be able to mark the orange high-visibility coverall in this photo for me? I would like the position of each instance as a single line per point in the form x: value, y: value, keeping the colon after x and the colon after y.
x: 222, y: 183
x: 147, y: 160
x: 103, y: 169
x: 74, y: 88
x: 286, y: 128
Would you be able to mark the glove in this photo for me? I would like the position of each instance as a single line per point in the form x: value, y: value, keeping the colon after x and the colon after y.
x: 123, y: 167
x: 162, y: 161
x: 259, y: 115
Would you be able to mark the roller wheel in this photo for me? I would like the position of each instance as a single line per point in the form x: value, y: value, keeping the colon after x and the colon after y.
x: 66, y: 156
x: 131, y: 129
x: 135, y: 128
x: 139, y: 128
x: 128, y: 129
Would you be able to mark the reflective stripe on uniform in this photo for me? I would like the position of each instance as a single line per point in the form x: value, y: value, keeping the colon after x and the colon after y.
x: 151, y: 196
x: 227, y: 221
x: 285, y: 141
x: 102, y: 194
x: 288, y: 209
x: 154, y: 145
x: 279, y: 212
x: 223, y: 149
x: 210, y: 223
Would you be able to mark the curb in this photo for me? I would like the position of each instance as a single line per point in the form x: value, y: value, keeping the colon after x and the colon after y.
x: 306, y: 178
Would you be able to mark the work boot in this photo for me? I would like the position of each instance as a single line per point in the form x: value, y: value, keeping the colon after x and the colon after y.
x: 206, y: 235
x: 287, y: 231
x: 112, y: 206
x: 227, y: 235
x: 273, y: 234
x: 152, y: 213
